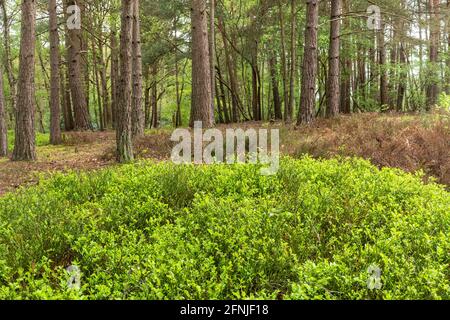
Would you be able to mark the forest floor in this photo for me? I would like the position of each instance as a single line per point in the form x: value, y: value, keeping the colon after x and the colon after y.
x: 409, y: 142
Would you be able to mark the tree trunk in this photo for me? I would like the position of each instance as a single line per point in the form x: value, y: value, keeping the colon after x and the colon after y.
x: 284, y: 68
x: 24, y: 145
x: 3, y: 127
x: 293, y: 73
x: 155, y: 118
x: 333, y: 90
x: 236, y: 103
x: 114, y: 77
x: 212, y: 59
x: 433, y: 77
x: 8, y: 58
x: 346, y: 72
x: 55, y: 112
x: 275, y: 88
x: 123, y: 131
x: 137, y: 118
x: 309, y: 77
x: 201, y: 74
x: 384, y: 86
x: 82, y: 119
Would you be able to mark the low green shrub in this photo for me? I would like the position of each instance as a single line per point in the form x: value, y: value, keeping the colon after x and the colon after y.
x: 161, y: 231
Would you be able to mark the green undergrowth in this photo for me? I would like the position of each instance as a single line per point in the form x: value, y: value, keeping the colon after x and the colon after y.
x: 161, y: 231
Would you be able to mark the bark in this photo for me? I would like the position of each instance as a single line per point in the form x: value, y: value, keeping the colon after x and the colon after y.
x: 8, y: 58
x: 24, y: 145
x: 384, y: 86
x: 154, y: 95
x: 212, y: 59
x: 77, y: 84
x: 284, y: 70
x: 201, y: 74
x: 309, y: 77
x: 290, y: 109
x: 433, y: 77
x: 346, y: 74
x: 333, y: 90
x: 55, y: 112
x: 3, y: 126
x: 137, y: 117
x: 275, y: 88
x: 114, y: 77
x: 123, y: 130
x: 403, y: 76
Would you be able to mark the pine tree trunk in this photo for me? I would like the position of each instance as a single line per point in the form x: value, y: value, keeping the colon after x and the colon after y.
x: 137, y: 118
x: 3, y: 127
x: 333, y: 90
x: 275, y: 88
x: 114, y: 77
x: 384, y: 86
x: 8, y: 58
x: 123, y: 131
x: 55, y: 112
x: 284, y: 67
x: 201, y: 76
x: 293, y: 73
x: 77, y: 84
x: 24, y: 145
x: 433, y: 76
x: 212, y: 59
x: 309, y: 77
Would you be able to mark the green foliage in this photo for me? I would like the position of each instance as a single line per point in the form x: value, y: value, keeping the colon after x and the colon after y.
x: 42, y: 139
x: 160, y: 231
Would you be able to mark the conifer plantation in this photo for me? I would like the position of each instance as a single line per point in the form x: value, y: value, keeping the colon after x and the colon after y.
x: 224, y: 150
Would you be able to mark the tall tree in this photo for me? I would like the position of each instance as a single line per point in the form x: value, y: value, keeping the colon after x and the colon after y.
x: 82, y: 119
x: 309, y: 77
x: 333, y: 90
x: 3, y: 127
x: 384, y: 85
x: 433, y: 76
x: 24, y: 145
x: 212, y: 58
x: 293, y: 72
x: 201, y: 76
x: 12, y: 81
x: 137, y: 116
x: 123, y: 126
x: 55, y: 113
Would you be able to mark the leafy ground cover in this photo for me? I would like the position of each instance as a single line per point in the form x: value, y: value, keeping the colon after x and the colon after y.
x: 160, y: 231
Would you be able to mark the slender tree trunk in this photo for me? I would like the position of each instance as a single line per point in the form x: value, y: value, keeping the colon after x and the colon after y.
x: 433, y: 77
x: 201, y: 76
x: 403, y: 75
x: 8, y: 58
x: 309, y: 78
x: 3, y: 126
x: 155, y: 119
x: 448, y: 48
x: 82, y: 119
x: 212, y: 59
x: 346, y: 71
x: 137, y: 119
x: 124, y: 131
x: 24, y: 145
x: 236, y: 103
x: 284, y: 68
x: 333, y: 90
x: 55, y: 111
x: 384, y: 86
x: 114, y: 77
x: 275, y: 88
x: 293, y: 73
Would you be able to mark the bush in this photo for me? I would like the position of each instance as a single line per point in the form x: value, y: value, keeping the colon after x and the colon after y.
x: 160, y: 231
